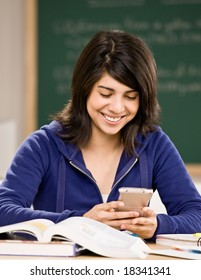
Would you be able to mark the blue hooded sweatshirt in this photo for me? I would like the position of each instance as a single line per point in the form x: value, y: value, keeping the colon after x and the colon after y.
x: 48, y: 179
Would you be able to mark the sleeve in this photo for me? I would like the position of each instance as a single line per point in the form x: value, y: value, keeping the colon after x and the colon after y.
x: 23, y: 178
x: 176, y: 190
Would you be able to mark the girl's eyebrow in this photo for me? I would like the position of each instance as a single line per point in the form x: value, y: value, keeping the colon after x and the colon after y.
x: 111, y: 89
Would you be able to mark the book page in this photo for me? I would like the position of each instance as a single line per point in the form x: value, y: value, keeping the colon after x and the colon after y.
x: 176, y: 253
x: 99, y: 238
x: 34, y: 227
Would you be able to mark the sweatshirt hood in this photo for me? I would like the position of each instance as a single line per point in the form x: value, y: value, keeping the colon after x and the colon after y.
x: 70, y: 150
x: 67, y: 150
x: 143, y: 141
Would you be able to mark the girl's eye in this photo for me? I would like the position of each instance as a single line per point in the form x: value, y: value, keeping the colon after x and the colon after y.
x: 131, y: 97
x: 105, y: 95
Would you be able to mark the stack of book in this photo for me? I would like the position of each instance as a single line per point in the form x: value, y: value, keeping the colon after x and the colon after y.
x: 179, y: 239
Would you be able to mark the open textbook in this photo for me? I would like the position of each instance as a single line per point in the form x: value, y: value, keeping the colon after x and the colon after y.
x: 76, y: 234
x: 79, y: 232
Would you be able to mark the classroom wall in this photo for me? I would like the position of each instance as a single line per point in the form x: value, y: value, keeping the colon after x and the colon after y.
x: 11, y: 79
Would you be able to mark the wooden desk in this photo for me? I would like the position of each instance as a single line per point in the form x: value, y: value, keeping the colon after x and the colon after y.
x: 91, y: 256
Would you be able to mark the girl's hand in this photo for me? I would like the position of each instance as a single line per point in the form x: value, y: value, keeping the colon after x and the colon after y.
x: 145, y: 225
x: 107, y: 213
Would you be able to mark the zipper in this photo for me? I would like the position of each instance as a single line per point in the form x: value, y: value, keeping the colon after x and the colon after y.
x: 78, y: 168
x: 91, y: 178
x: 125, y: 173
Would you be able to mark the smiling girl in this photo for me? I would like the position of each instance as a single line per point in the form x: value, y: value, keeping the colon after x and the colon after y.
x: 106, y: 137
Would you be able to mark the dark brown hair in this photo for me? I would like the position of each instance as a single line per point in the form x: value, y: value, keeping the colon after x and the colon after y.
x: 127, y: 59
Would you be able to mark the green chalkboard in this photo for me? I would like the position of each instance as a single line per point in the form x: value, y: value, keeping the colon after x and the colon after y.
x: 172, y: 28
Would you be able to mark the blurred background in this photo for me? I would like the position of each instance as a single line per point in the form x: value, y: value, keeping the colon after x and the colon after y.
x: 41, y: 40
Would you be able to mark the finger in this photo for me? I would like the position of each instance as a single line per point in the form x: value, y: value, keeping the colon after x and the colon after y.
x: 125, y: 215
x: 120, y: 217
x: 147, y: 212
x: 118, y: 223
x: 142, y: 231
x: 111, y: 205
x: 131, y: 228
x: 140, y: 221
x: 138, y: 228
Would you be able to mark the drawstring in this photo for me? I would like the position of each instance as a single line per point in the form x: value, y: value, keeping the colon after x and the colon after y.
x: 61, y: 186
x: 144, y: 171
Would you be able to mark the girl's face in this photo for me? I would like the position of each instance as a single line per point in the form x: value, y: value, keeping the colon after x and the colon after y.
x: 111, y: 105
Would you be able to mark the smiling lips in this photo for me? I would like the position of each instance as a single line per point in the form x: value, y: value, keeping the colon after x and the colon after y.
x: 111, y: 119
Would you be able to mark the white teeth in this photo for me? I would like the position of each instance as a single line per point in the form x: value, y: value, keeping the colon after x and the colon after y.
x: 112, y: 119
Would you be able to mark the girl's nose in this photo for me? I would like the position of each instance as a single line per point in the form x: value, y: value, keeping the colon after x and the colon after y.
x: 116, y: 105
